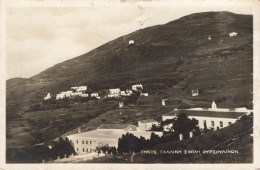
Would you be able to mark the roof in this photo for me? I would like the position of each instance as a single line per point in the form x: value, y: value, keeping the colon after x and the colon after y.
x: 147, y: 121
x: 113, y: 126
x: 112, y: 134
x: 101, y: 133
x: 216, y: 114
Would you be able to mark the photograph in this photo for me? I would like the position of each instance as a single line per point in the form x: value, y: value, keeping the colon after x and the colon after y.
x: 132, y: 83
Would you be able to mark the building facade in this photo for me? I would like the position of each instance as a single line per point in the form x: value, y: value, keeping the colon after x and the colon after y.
x: 106, y: 134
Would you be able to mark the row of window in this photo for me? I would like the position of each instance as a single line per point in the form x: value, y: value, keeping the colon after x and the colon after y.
x: 90, y: 142
x: 86, y: 150
x: 213, y: 123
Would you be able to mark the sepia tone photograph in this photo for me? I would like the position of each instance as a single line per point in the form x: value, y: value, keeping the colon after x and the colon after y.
x: 129, y: 84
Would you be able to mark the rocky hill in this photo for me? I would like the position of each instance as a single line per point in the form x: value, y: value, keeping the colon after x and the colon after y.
x: 192, y: 52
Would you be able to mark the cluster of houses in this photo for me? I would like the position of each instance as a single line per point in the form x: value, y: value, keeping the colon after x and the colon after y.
x: 112, y: 93
x: 108, y: 134
x: 75, y: 91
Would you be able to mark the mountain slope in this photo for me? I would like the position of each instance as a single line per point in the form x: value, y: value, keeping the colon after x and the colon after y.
x: 178, y: 56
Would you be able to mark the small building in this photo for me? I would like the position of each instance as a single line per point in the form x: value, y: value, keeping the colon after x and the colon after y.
x: 233, y: 34
x: 131, y: 42
x: 137, y: 87
x: 209, y: 37
x: 144, y: 94
x: 164, y: 102
x: 114, y: 93
x: 195, y: 92
x: 147, y: 124
x: 121, y: 104
x: 82, y: 88
x: 94, y: 95
x: 128, y: 92
x: 47, y: 97
x: 213, y: 105
x: 60, y: 96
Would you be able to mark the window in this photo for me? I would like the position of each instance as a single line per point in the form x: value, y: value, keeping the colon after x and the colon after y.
x: 229, y: 123
x: 86, y: 149
x: 77, y: 141
x: 90, y: 150
x: 221, y: 124
x: 83, y: 142
x: 77, y: 149
x: 83, y: 149
x: 90, y: 142
x: 212, y: 123
x: 205, y: 124
x: 86, y: 142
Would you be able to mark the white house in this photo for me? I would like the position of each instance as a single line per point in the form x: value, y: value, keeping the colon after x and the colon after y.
x: 121, y: 104
x: 147, y: 124
x: 233, y: 34
x: 82, y: 88
x: 214, y: 105
x: 106, y: 134
x: 164, y: 102
x: 60, y: 96
x: 131, y: 42
x: 137, y: 87
x: 144, y: 94
x: 94, y: 94
x: 47, y: 97
x: 128, y: 92
x: 114, y: 93
x: 195, y: 92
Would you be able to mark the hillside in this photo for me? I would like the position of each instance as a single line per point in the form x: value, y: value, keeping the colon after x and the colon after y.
x: 169, y: 60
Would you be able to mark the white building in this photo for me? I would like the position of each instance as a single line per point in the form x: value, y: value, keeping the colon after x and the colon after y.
x: 233, y: 34
x: 147, y: 124
x: 114, y: 93
x: 144, y: 94
x: 131, y: 42
x: 106, y: 134
x: 60, y: 96
x: 137, y: 87
x: 209, y: 118
x: 80, y: 88
x: 121, y: 104
x: 195, y: 92
x: 94, y: 94
x: 164, y: 102
x: 47, y: 97
x: 213, y: 105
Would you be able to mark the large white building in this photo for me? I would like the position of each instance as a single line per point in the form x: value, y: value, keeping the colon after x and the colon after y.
x: 215, y: 118
x: 106, y: 134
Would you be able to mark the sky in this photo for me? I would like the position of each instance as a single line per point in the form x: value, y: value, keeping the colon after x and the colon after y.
x: 38, y: 38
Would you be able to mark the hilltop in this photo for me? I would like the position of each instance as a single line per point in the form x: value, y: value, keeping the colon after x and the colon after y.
x: 169, y: 60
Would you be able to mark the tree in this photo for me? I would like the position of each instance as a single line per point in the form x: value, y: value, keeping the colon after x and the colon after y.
x: 158, y: 128
x: 183, y: 125
x: 129, y: 143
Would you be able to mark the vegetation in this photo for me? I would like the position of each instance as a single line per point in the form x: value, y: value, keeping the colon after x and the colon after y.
x: 181, y: 125
x: 106, y: 149
x: 236, y: 137
x: 36, y: 154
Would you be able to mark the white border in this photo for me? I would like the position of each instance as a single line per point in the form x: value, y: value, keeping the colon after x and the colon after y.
x: 132, y: 3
